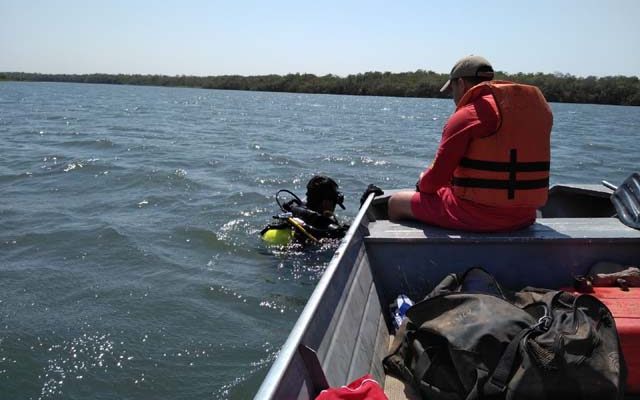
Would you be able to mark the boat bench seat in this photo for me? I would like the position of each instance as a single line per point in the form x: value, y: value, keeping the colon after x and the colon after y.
x: 549, y: 253
x: 543, y: 229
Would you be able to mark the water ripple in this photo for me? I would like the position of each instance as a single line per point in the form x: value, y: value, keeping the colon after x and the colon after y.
x: 97, y: 144
x: 130, y: 216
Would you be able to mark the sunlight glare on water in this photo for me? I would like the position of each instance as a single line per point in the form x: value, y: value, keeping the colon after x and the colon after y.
x: 130, y: 262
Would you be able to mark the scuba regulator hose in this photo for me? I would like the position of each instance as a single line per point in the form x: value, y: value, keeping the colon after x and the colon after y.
x: 301, y: 229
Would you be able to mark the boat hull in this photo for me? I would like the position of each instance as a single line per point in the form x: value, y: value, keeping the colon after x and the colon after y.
x: 344, y: 331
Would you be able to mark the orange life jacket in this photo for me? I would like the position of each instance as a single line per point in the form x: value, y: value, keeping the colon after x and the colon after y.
x: 509, y: 168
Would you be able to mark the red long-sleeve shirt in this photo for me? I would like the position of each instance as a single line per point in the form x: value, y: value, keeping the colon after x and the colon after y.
x: 436, y: 204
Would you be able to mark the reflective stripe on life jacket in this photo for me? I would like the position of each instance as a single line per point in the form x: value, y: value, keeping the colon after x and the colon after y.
x: 509, y: 168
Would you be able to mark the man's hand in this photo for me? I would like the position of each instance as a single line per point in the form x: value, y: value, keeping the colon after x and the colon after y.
x: 370, y: 189
x: 420, y: 178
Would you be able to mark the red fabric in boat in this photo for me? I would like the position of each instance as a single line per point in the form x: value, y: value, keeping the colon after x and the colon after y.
x: 362, y: 388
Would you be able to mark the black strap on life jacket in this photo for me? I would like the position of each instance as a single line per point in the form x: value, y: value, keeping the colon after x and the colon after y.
x: 512, y: 167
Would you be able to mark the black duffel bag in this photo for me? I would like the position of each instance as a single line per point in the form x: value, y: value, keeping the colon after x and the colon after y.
x: 469, y: 339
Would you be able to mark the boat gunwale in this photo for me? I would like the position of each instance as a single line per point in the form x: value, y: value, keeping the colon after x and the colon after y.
x: 288, y: 350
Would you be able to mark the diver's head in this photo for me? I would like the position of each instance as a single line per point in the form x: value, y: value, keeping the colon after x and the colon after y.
x: 323, y: 194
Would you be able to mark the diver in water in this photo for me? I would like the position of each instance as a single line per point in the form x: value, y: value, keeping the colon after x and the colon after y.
x: 310, y: 221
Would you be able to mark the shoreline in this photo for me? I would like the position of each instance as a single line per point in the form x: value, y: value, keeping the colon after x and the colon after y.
x: 609, y: 90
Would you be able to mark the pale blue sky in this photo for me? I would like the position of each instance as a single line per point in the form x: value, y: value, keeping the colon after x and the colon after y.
x: 193, y: 37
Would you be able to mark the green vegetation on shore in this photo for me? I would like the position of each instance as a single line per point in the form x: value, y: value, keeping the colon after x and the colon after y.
x: 617, y: 90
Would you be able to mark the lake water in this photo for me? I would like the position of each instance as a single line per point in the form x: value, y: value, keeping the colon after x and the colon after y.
x: 130, y: 263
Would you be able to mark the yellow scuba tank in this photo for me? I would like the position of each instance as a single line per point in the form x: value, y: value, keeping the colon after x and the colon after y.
x: 278, y: 235
x: 283, y: 233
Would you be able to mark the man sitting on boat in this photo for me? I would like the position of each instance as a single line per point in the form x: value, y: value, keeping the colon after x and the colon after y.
x: 491, y: 170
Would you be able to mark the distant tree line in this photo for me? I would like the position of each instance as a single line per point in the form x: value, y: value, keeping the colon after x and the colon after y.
x: 564, y: 88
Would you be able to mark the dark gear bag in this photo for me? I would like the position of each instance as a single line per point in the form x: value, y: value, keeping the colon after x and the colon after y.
x: 469, y: 339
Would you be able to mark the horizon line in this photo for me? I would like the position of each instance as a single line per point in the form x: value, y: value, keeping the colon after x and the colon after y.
x: 555, y: 74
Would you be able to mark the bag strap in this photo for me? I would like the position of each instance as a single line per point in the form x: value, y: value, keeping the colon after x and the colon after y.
x: 497, y: 382
x: 423, y: 361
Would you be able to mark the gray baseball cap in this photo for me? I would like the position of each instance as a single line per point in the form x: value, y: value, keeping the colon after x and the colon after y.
x: 470, y: 67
